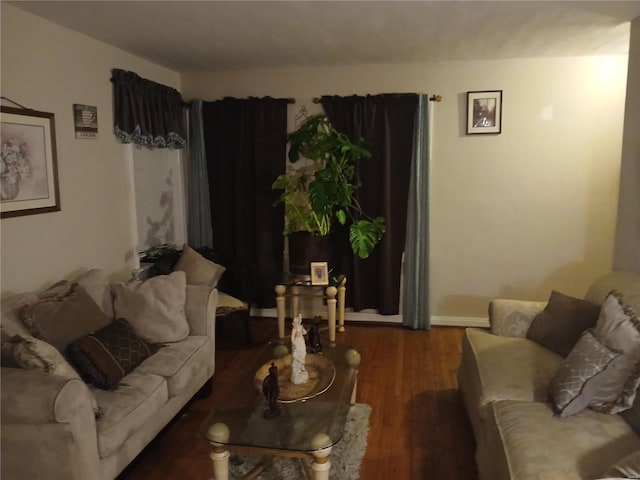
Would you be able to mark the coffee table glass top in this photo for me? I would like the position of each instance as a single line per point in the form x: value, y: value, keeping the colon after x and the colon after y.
x: 291, y: 280
x: 300, y: 424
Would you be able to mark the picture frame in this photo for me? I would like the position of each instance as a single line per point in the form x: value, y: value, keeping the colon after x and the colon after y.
x: 484, y: 112
x: 319, y: 273
x: 28, y: 163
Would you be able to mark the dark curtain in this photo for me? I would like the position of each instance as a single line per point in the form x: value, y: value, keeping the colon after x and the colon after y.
x: 147, y: 113
x: 386, y: 122
x: 245, y: 144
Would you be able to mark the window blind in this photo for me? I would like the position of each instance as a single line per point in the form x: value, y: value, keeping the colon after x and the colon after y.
x: 158, y: 193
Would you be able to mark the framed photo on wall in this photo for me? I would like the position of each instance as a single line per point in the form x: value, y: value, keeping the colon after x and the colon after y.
x: 319, y: 273
x: 28, y: 163
x: 484, y: 112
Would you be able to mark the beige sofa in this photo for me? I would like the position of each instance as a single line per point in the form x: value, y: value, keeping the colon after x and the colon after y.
x: 62, y: 428
x: 504, y: 380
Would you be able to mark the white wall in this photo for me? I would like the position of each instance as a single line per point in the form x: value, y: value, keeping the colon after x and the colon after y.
x: 49, y: 68
x: 512, y: 215
x: 628, y: 232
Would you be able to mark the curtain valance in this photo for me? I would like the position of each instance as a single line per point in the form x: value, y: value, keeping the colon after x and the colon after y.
x: 147, y: 113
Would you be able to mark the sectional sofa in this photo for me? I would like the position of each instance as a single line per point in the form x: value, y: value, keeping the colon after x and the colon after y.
x: 551, y: 387
x: 83, y: 392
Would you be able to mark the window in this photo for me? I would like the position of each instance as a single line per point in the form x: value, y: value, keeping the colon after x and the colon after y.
x: 159, y: 197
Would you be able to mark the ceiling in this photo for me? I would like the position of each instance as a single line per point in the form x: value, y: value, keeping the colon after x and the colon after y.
x: 239, y: 35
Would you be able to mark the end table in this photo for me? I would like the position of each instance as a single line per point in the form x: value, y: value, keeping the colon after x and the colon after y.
x: 291, y: 287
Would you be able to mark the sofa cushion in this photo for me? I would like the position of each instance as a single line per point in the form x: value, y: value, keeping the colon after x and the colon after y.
x: 199, y: 270
x: 106, y: 356
x: 62, y: 318
x: 154, y: 307
x: 524, y: 376
x: 179, y: 362
x: 628, y: 467
x: 127, y: 409
x: 632, y: 415
x: 618, y: 327
x: 541, y: 446
x: 559, y: 326
x: 573, y: 385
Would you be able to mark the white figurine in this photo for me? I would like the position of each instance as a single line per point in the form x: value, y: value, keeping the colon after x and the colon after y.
x: 299, y: 373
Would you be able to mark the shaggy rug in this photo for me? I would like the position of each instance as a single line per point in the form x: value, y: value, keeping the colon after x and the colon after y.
x: 345, y: 458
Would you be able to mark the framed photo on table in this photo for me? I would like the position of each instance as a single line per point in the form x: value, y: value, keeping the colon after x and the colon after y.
x: 28, y: 163
x: 484, y: 112
x: 319, y: 273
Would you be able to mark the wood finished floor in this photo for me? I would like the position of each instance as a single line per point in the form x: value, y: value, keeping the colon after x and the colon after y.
x: 418, y: 427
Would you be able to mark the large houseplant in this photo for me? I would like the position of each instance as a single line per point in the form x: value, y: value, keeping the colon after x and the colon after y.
x: 322, y: 192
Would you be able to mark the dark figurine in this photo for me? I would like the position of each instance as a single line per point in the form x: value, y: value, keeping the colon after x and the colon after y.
x: 271, y: 390
x: 314, y: 340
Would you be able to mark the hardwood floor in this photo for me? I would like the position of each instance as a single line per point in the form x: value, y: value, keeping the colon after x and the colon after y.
x: 418, y: 427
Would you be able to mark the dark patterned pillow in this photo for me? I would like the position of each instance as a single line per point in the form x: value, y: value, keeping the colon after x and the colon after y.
x: 559, y: 326
x: 106, y: 356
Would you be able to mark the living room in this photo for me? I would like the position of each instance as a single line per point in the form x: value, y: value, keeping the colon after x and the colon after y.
x: 543, y: 205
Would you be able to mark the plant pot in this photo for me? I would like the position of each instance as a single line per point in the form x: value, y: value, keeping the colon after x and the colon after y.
x: 305, y: 248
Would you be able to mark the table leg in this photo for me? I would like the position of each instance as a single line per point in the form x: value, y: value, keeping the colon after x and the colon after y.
x: 220, y: 458
x: 295, y: 301
x: 354, y: 392
x: 321, y: 464
x: 341, y: 293
x: 331, y: 312
x: 280, y: 305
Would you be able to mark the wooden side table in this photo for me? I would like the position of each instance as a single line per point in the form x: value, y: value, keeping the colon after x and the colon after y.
x: 333, y: 293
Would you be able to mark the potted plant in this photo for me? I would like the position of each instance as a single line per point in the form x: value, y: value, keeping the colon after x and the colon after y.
x: 322, y: 192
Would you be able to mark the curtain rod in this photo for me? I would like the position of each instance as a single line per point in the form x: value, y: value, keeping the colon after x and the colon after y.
x: 432, y: 98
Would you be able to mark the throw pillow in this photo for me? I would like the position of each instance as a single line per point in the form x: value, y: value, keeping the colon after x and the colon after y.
x: 628, y: 467
x: 107, y: 355
x: 60, y: 319
x: 228, y: 304
x: 571, y: 387
x: 559, y: 326
x: 199, y: 270
x: 94, y: 282
x: 6, y: 351
x: 619, y: 328
x: 155, y: 307
x: 33, y: 354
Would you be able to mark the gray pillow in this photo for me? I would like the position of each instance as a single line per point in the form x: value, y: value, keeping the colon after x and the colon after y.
x: 154, y: 307
x: 199, y: 270
x: 619, y: 328
x: 559, y: 326
x: 572, y: 386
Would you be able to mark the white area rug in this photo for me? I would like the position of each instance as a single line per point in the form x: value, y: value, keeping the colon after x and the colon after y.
x: 346, y: 456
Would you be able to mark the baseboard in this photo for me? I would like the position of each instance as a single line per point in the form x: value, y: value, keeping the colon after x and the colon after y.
x: 446, y: 321
x: 436, y: 320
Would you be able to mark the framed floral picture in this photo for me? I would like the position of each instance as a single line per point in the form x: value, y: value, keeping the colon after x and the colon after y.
x: 484, y: 112
x: 28, y: 163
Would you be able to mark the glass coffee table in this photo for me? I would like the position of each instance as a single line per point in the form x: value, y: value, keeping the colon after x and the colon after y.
x: 307, y: 429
